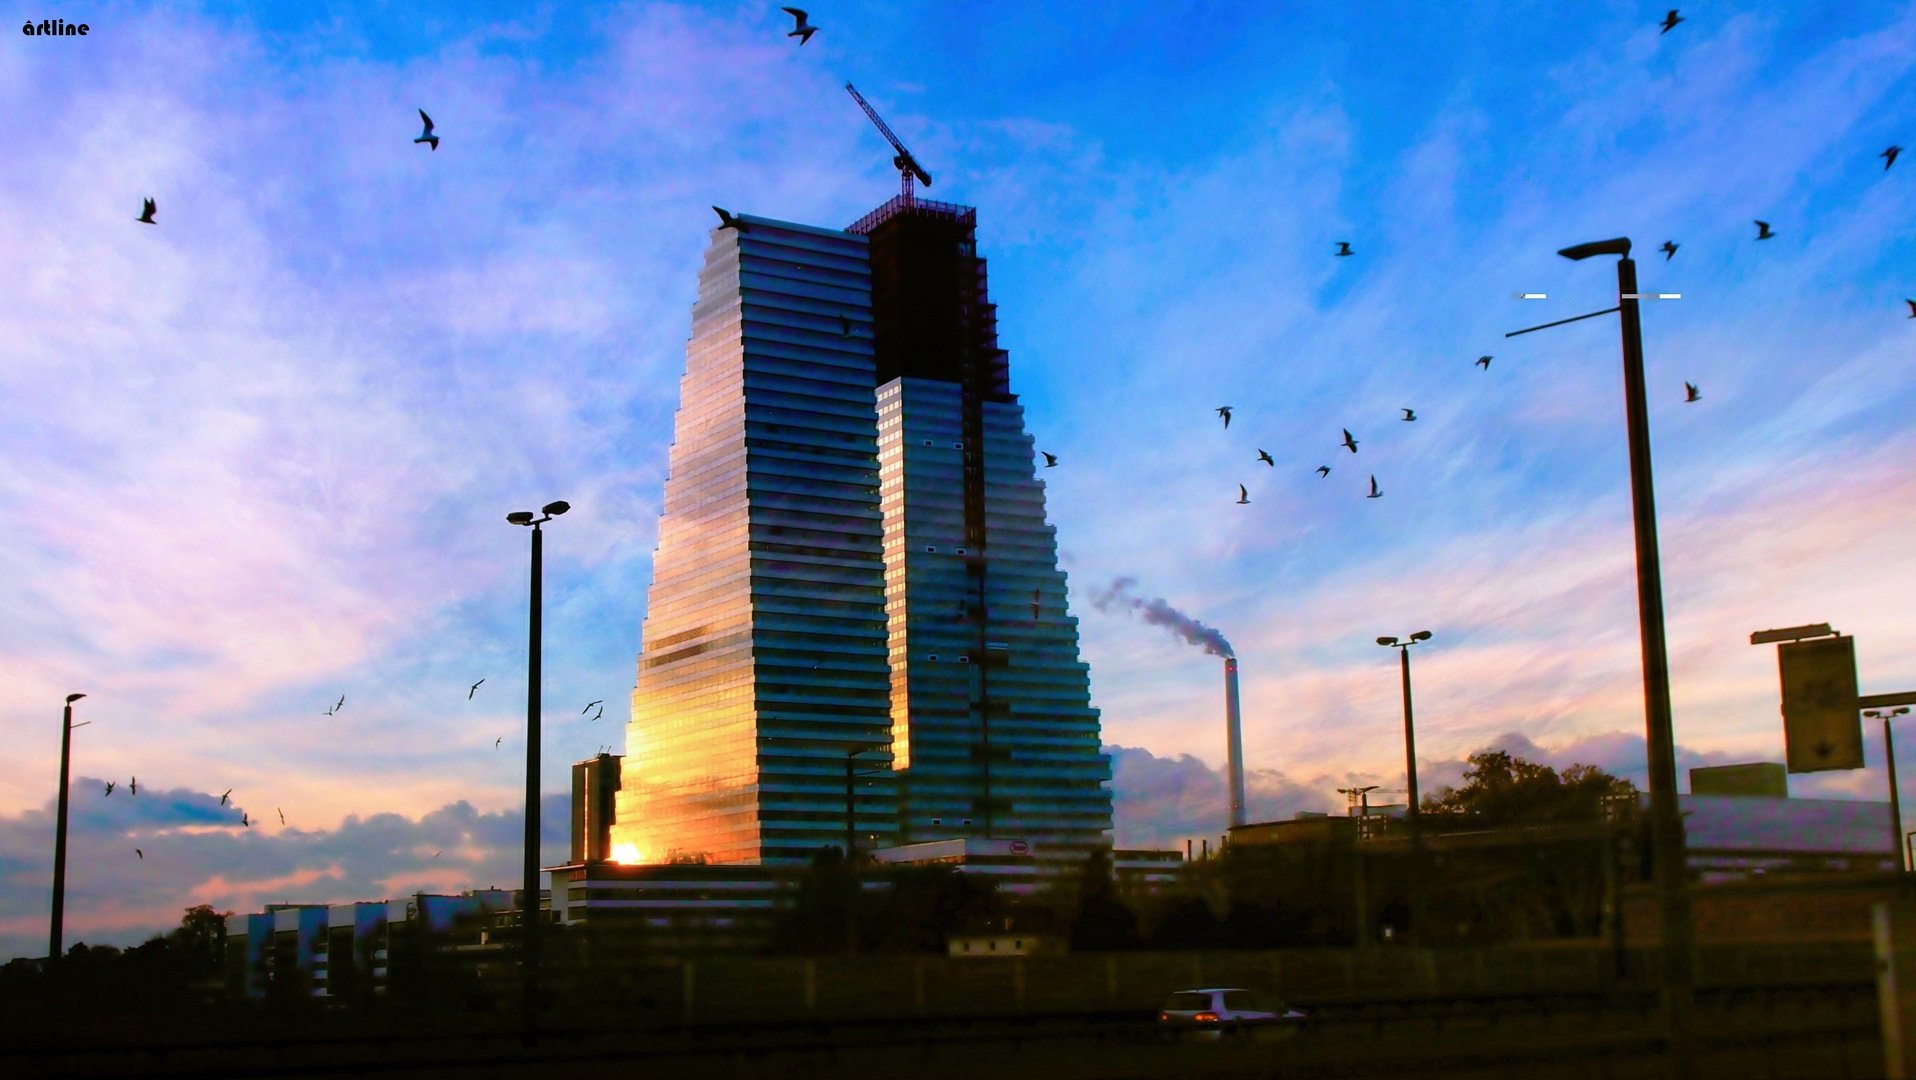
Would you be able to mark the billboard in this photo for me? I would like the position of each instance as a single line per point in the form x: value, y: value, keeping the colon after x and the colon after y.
x: 1821, y: 730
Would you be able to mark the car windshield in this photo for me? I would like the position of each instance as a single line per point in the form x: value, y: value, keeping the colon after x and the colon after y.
x: 1242, y: 1001
x: 1188, y: 1001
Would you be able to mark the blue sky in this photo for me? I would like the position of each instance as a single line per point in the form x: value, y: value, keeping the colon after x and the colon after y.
x: 258, y: 456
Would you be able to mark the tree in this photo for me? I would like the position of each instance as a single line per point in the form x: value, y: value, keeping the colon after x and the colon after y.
x: 1503, y: 790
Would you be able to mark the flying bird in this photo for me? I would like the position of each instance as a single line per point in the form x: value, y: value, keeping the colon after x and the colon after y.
x: 229, y: 791
x: 1912, y: 308
x: 1265, y: 457
x: 589, y: 704
x: 844, y: 327
x: 1323, y: 471
x: 282, y: 815
x: 427, y: 136
x: 1225, y: 412
x: 140, y: 853
x: 802, y: 30
x: 134, y: 787
x: 1410, y: 414
x: 1484, y: 362
x: 1343, y: 248
x: 1763, y: 230
x: 147, y: 210
x: 1349, y: 443
x: 1888, y: 156
x: 110, y: 785
x: 1243, y: 496
x: 1375, y: 491
x: 1691, y: 393
x: 727, y: 221
x: 601, y: 711
x: 473, y: 689
x: 1670, y: 20
x: 1669, y: 249
x: 244, y: 820
x: 497, y: 741
x: 337, y: 705
x: 436, y: 854
x: 1050, y: 459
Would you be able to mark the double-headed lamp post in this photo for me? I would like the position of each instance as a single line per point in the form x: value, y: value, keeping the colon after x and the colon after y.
x: 1410, y: 728
x: 1889, y: 759
x: 529, y: 902
x: 56, y: 929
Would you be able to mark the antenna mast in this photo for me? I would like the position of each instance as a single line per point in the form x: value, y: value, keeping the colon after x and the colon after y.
x: 906, y: 165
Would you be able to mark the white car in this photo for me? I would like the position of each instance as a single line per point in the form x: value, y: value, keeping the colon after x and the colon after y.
x: 1223, y: 1007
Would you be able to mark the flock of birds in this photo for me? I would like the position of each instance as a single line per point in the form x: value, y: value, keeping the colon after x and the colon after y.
x: 803, y: 29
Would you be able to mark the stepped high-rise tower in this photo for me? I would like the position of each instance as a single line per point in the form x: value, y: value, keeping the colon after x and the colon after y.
x: 854, y: 566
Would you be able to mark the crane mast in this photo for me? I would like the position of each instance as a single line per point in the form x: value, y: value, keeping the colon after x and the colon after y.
x: 906, y: 165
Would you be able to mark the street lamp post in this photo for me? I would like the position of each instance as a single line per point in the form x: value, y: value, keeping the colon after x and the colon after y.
x: 1412, y: 816
x: 1666, y: 822
x: 56, y: 931
x: 851, y: 820
x: 529, y: 901
x: 1889, y: 759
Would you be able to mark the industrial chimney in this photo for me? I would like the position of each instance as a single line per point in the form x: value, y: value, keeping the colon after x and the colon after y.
x: 1234, y: 737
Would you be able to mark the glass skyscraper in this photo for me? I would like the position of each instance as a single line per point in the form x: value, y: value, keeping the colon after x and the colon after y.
x: 854, y: 568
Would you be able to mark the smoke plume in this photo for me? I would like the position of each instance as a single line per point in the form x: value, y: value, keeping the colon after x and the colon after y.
x: 1157, y: 612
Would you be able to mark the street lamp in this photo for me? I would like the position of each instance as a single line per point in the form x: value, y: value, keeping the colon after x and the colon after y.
x: 1410, y: 730
x: 851, y: 753
x: 1889, y: 758
x: 1665, y: 820
x: 529, y: 904
x: 56, y: 931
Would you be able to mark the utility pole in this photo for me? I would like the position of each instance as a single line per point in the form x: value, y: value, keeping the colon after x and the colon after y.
x: 56, y: 932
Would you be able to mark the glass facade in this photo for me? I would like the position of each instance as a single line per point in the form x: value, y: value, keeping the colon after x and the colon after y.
x: 853, y: 552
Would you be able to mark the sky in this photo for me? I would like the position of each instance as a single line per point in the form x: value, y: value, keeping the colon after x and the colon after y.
x: 257, y: 456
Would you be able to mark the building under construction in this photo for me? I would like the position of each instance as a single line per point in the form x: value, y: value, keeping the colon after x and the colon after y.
x: 856, y: 604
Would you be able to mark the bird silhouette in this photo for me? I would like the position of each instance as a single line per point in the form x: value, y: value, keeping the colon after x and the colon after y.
x: 598, y: 714
x: 1243, y: 496
x: 110, y: 785
x: 1484, y: 362
x: 497, y: 741
x: 134, y: 787
x: 1669, y: 249
x: 1763, y: 230
x: 229, y: 791
x: 1670, y: 20
x: 727, y: 221
x: 1265, y: 457
x: 1349, y: 442
x: 427, y: 136
x: 140, y: 853
x: 1375, y: 491
x: 1323, y: 471
x: 802, y: 30
x: 1409, y: 415
x: 473, y: 689
x: 1889, y: 156
x: 245, y: 821
x: 147, y: 210
x: 282, y: 815
x: 1225, y: 412
x: 844, y: 327
x: 1912, y: 308
x: 336, y: 705
x: 1050, y: 459
x: 1343, y: 248
x: 589, y: 704
x: 1691, y: 393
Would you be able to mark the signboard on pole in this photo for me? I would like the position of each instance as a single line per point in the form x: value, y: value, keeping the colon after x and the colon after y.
x: 1821, y: 730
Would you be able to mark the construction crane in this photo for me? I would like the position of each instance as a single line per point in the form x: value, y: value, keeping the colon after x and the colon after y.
x: 906, y: 165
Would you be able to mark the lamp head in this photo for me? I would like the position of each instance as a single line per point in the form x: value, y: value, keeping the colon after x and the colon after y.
x: 71, y: 698
x: 520, y: 517
x: 1386, y: 641
x: 1872, y: 714
x: 554, y: 509
x: 1421, y: 635
x: 1619, y: 246
x: 1901, y: 711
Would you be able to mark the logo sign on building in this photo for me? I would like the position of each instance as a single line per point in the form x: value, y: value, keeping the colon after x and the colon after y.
x: 1821, y: 730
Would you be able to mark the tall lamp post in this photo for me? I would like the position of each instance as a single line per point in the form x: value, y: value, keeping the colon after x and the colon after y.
x: 1666, y: 823
x: 56, y: 931
x: 1889, y: 758
x: 529, y: 902
x: 851, y: 773
x: 1412, y: 814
